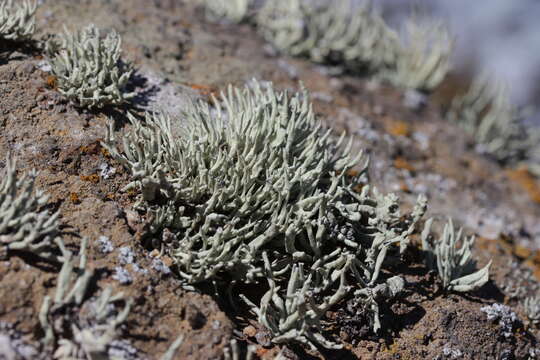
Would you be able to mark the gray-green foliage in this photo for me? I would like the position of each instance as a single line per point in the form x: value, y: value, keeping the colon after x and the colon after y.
x: 24, y: 224
x: 17, y: 21
x: 230, y: 10
x: 73, y: 333
x: 357, y: 38
x: 257, y: 190
x: 88, y: 67
x: 486, y: 113
x: 454, y: 265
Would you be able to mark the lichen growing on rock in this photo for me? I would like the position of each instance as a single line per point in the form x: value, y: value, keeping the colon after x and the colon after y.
x: 229, y: 10
x: 76, y: 327
x: 497, y: 126
x: 454, y: 264
x: 24, y: 224
x: 88, y: 67
x: 17, y: 21
x: 353, y: 36
x: 257, y: 190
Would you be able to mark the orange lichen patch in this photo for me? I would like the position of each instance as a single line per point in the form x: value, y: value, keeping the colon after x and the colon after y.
x: 105, y: 152
x: 261, y: 351
x: 74, y: 197
x: 522, y: 252
x: 404, y: 187
x: 91, y: 149
x: 94, y: 178
x: 523, y: 177
x: 110, y: 196
x: 398, y: 128
x: 401, y: 163
x: 51, y: 81
x: 204, y: 90
x: 535, y: 267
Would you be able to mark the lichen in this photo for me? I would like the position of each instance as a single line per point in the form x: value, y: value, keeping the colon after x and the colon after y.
x: 76, y: 327
x: 255, y: 190
x: 486, y: 113
x: 423, y: 57
x: 229, y: 10
x: 455, y: 266
x: 352, y: 36
x: 532, y: 309
x: 24, y: 223
x: 17, y: 21
x: 88, y: 68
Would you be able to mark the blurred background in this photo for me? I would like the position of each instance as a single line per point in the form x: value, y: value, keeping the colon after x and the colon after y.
x: 500, y: 37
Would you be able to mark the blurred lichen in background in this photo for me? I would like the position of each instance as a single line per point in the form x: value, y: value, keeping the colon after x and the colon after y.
x: 17, y: 20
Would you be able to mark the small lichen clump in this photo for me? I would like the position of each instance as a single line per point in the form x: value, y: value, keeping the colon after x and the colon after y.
x: 17, y: 21
x: 486, y: 113
x: 24, y: 224
x: 88, y: 67
x: 256, y: 190
x: 230, y: 10
x: 423, y: 57
x: 358, y: 39
x: 76, y: 327
x: 343, y: 34
x: 454, y: 265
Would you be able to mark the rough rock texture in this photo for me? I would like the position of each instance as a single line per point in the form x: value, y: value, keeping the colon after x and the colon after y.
x: 179, y: 55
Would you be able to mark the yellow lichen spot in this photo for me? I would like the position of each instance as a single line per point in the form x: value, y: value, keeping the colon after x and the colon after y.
x: 528, y: 182
x: 402, y: 163
x: 51, y: 81
x: 398, y: 128
x: 74, y: 197
x: 94, y: 178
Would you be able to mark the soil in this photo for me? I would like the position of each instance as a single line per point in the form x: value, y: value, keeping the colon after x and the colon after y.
x: 179, y: 56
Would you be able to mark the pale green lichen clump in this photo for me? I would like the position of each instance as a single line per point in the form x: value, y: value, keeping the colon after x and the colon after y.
x: 423, y: 57
x: 17, y: 20
x: 256, y: 190
x: 24, y: 224
x: 76, y: 334
x: 229, y: 10
x: 88, y: 67
x: 355, y: 37
x: 454, y: 264
x: 486, y: 113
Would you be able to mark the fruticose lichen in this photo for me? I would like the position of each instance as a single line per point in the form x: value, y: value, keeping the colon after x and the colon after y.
x: 232, y: 352
x: 24, y: 224
x: 77, y: 328
x: 454, y: 265
x: 341, y: 33
x: 486, y: 113
x: 532, y: 309
x: 17, y: 21
x: 423, y: 58
x: 88, y: 67
x: 230, y: 10
x: 353, y: 36
x: 256, y: 190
